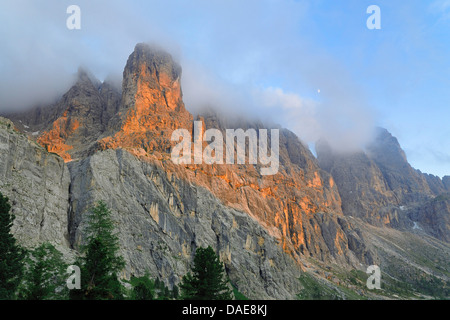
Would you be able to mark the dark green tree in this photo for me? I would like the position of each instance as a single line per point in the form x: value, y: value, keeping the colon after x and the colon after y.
x: 163, y: 292
x: 11, y: 254
x: 208, y: 279
x: 157, y: 283
x: 167, y: 294
x: 143, y: 288
x: 175, y: 292
x: 45, y: 275
x: 101, y: 264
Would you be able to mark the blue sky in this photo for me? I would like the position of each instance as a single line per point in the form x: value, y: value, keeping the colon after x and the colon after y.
x: 263, y: 57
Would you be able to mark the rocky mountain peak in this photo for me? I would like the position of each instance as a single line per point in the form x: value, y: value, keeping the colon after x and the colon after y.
x: 380, y: 186
x: 446, y: 182
x: 386, y: 148
x: 151, y: 106
x: 408, y: 184
x: 152, y: 76
x: 84, y: 76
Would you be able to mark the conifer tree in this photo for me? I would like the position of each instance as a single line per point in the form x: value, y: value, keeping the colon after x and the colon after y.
x: 143, y: 288
x: 101, y: 263
x: 11, y: 254
x: 175, y: 292
x: 208, y: 278
x: 45, y: 275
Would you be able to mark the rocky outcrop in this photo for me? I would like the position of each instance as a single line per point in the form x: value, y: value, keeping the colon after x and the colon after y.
x: 87, y: 109
x: 152, y: 105
x: 435, y: 183
x: 37, y: 184
x: 285, y: 204
x: 408, y: 185
x: 71, y: 127
x: 363, y: 189
x: 434, y: 217
x: 446, y: 182
x: 298, y: 207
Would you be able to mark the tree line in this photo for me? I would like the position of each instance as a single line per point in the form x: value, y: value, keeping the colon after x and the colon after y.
x: 41, y: 273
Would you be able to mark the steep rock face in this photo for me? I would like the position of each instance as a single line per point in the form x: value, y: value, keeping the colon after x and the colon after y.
x: 435, y: 183
x: 71, y: 126
x: 37, y: 184
x: 86, y: 112
x: 285, y: 203
x: 434, y: 217
x: 446, y: 182
x: 111, y: 97
x: 162, y: 219
x: 310, y: 215
x: 407, y: 184
x: 382, y: 188
x: 361, y: 184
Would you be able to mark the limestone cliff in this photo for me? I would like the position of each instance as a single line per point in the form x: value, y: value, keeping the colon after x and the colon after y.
x: 37, y: 184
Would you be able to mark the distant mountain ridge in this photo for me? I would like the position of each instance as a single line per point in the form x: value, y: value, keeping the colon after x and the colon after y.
x: 380, y: 186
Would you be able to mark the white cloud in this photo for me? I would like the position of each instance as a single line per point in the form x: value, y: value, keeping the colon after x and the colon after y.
x: 294, y: 112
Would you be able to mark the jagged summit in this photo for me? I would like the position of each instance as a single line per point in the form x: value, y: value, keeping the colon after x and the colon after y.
x: 151, y: 75
x: 386, y: 147
x: 380, y: 186
x: 151, y: 104
x: 84, y: 76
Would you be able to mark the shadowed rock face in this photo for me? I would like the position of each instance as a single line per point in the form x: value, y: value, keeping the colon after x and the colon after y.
x: 381, y: 187
x: 446, y: 182
x: 408, y: 184
x: 361, y: 184
x: 434, y: 217
x: 71, y: 127
x: 437, y: 186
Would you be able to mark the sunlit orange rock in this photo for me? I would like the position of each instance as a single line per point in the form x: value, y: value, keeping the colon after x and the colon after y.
x: 54, y: 140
